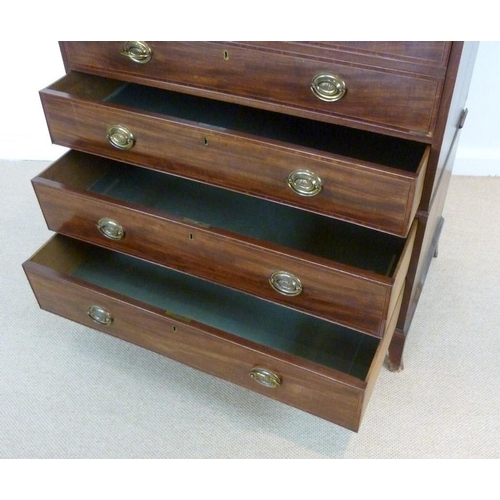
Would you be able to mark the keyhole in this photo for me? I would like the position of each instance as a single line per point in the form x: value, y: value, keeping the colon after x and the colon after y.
x: 226, y: 55
x: 205, y: 141
x: 174, y: 328
x: 191, y: 236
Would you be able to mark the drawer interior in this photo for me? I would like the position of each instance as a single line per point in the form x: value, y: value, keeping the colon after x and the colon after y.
x: 250, y: 217
x: 233, y: 312
x: 383, y: 150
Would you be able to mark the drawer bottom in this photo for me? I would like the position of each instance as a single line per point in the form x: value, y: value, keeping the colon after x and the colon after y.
x: 314, y: 365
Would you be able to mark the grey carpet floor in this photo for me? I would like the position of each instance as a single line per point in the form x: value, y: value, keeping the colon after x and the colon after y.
x: 67, y: 391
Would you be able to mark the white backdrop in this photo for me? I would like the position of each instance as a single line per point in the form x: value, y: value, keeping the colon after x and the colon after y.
x: 24, y: 136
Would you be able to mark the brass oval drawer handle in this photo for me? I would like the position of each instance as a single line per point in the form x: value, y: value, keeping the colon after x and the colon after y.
x: 286, y: 283
x: 328, y: 87
x: 265, y: 377
x: 100, y: 315
x: 138, y: 52
x: 110, y: 228
x: 120, y: 137
x: 304, y: 183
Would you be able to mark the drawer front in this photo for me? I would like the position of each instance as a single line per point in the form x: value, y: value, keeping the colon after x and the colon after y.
x: 428, y: 58
x: 332, y: 290
x: 358, y: 191
x: 375, y: 97
x: 322, y: 391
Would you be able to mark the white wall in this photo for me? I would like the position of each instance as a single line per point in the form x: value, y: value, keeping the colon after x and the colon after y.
x: 479, y: 147
x: 23, y: 132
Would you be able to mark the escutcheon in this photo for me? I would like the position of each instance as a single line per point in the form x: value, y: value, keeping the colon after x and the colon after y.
x: 265, y: 377
x: 110, y: 228
x: 286, y: 283
x: 120, y: 137
x: 138, y: 52
x: 100, y: 315
x: 304, y: 182
x: 328, y: 87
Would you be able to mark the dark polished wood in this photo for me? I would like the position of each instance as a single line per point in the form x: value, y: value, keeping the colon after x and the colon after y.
x: 354, y: 297
x: 397, y: 94
x: 218, y: 128
x: 427, y: 58
x: 358, y: 189
x: 314, y: 388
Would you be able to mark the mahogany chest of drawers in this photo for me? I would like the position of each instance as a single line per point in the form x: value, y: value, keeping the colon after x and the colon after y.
x: 265, y: 212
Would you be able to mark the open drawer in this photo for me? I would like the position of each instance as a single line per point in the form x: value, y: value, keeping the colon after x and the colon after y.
x: 331, y: 269
x: 353, y: 175
x: 311, y: 364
